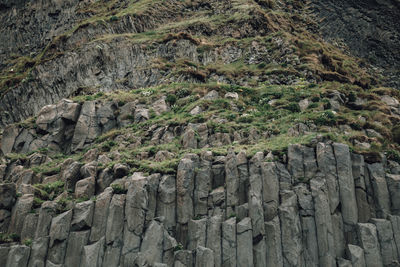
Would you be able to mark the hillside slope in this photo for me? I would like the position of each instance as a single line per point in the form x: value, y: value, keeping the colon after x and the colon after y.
x: 199, y: 133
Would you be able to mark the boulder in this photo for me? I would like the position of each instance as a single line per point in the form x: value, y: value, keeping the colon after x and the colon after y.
x: 212, y: 95
x: 100, y: 215
x: 83, y: 216
x: 232, y: 95
x: 356, y: 255
x: 85, y: 188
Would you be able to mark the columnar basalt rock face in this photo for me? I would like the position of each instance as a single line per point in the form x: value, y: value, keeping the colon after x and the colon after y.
x: 161, y: 219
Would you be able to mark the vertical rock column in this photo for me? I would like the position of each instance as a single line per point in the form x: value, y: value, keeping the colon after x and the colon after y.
x: 256, y: 210
x: 323, y: 222
x: 349, y: 211
x: 185, y: 187
x: 137, y: 202
x: 114, y: 230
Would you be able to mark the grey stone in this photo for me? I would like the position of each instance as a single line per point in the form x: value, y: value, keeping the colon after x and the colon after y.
x: 120, y: 170
x: 5, y: 218
x: 131, y: 247
x: 346, y: 184
x: 212, y: 95
x: 214, y: 238
x: 115, y: 219
x: 185, y: 187
x: 60, y: 226
x: 183, y: 258
x: 197, y: 233
x: 189, y: 139
x: 166, y: 201
x: 356, y: 255
x: 152, y: 188
x: 273, y: 243
x: 7, y: 195
x: 295, y: 162
x: 76, y: 242
x: 18, y: 256
x: 86, y: 129
x: 29, y: 226
x: 232, y: 180
x: 270, y: 190
x: 244, y: 243
x: 8, y: 138
x: 204, y: 257
x: 393, y: 183
x: 152, y: 244
x: 369, y: 242
x: 229, y: 242
x: 85, y: 188
x: 169, y: 245
x: 290, y: 229
x: 112, y: 254
x: 100, y: 215
x: 395, y: 221
x: 38, y: 252
x: 344, y: 263
x: 83, y: 215
x: 4, y: 255
x: 203, y: 184
x: 327, y: 165
x: 323, y: 222
x: 92, y: 255
x: 71, y: 174
x: 46, y: 213
x: 104, y: 179
x: 380, y: 189
x: 20, y: 210
x: 386, y: 241
x: 136, y: 203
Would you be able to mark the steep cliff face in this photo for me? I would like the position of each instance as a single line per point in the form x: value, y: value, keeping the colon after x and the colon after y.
x: 325, y: 206
x: 369, y: 28
x: 199, y: 133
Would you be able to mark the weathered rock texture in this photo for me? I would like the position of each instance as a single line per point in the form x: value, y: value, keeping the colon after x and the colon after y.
x: 325, y: 207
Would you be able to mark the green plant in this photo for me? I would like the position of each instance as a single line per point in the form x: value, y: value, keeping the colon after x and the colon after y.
x: 327, y: 118
x: 178, y: 247
x: 171, y: 99
x: 293, y: 107
x: 396, y: 134
x: 113, y: 18
x: 28, y: 242
x: 118, y: 189
x: 393, y: 155
x: 108, y: 145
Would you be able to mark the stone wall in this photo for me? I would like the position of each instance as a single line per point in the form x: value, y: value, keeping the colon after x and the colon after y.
x: 324, y: 207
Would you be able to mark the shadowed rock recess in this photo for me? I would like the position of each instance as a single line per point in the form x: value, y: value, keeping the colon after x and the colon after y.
x: 195, y: 133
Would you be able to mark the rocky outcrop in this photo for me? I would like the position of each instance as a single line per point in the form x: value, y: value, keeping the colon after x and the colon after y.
x: 290, y: 216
